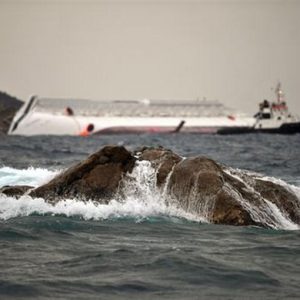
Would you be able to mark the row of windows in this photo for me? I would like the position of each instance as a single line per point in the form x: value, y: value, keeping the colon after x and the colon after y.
x: 93, y: 108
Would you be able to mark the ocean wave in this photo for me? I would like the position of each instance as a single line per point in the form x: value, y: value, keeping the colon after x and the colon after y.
x: 30, y: 176
x: 141, y: 199
x: 138, y: 209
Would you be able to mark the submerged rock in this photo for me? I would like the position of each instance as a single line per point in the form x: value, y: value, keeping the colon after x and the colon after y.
x: 198, y: 185
x: 15, y: 191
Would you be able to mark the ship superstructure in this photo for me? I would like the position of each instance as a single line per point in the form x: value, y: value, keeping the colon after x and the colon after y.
x: 44, y: 116
x: 71, y: 116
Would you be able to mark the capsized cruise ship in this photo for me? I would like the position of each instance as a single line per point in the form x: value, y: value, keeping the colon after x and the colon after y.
x: 44, y: 116
x: 41, y: 116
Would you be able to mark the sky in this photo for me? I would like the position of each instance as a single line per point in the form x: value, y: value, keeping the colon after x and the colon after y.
x: 226, y: 50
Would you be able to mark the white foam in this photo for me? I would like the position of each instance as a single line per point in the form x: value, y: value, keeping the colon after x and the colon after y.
x: 236, y: 172
x: 30, y: 176
x: 25, y: 206
x: 268, y: 213
x: 293, y: 188
x: 140, y: 199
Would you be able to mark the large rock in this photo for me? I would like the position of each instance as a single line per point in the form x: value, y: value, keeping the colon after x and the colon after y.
x: 95, y: 178
x: 202, y: 186
x: 198, y: 185
x: 222, y: 195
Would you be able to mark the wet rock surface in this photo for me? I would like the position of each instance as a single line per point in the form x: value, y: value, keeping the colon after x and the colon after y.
x: 287, y: 201
x: 96, y: 178
x: 198, y: 185
x: 161, y: 159
x: 15, y: 191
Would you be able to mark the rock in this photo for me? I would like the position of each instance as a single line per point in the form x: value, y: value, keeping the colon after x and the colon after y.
x: 202, y: 186
x: 96, y: 178
x: 15, y: 191
x: 258, y: 196
x: 161, y: 159
x: 198, y: 185
x: 284, y: 199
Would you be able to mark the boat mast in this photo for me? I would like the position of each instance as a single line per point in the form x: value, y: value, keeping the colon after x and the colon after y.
x: 279, y: 93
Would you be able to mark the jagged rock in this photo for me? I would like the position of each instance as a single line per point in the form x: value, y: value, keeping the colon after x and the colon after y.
x: 97, y: 177
x: 198, y: 185
x: 15, y: 191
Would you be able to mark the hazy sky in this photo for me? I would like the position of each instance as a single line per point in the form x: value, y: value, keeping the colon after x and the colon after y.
x: 233, y: 51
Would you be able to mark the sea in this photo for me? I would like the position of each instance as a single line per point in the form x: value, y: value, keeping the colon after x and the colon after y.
x: 139, y: 248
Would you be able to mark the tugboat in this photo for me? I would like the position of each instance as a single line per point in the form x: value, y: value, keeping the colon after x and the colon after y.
x: 271, y: 118
x: 275, y: 117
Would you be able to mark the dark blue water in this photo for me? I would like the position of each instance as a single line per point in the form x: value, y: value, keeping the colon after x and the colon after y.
x: 73, y: 255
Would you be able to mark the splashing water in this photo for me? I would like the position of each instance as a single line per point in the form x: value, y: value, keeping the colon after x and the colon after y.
x: 30, y: 176
x: 140, y: 199
x: 267, y: 212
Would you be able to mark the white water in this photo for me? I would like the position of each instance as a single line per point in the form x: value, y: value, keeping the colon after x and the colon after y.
x: 141, y: 199
x: 268, y: 213
x: 30, y: 176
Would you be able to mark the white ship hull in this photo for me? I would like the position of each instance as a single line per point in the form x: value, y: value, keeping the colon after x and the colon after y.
x: 44, y: 123
x: 48, y: 117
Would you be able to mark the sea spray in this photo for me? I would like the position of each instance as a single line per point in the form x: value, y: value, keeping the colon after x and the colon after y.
x: 266, y: 212
x: 205, y: 206
x: 140, y: 199
x: 141, y: 182
x: 290, y: 187
x: 166, y: 185
x: 30, y: 176
x: 139, y: 189
x: 188, y: 196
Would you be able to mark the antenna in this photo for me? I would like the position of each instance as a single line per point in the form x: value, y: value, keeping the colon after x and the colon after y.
x: 279, y: 92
